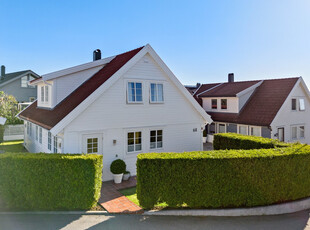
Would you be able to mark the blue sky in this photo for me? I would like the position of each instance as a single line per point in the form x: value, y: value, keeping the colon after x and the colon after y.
x: 200, y: 41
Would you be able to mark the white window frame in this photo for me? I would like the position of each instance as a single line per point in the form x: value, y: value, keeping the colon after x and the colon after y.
x: 55, y: 144
x: 303, y: 103
x: 49, y: 141
x: 218, y: 127
x: 46, y: 94
x: 156, y: 138
x: 247, y: 129
x: 299, y: 131
x: 296, y: 104
x: 226, y: 104
x: 30, y: 129
x: 294, y: 138
x: 127, y: 87
x: 40, y: 135
x: 156, y: 91
x: 216, y: 103
x: 42, y: 94
x: 37, y: 133
x: 134, y: 138
x: 250, y: 131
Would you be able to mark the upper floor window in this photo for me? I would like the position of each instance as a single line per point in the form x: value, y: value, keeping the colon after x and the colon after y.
x: 25, y: 80
x: 42, y: 93
x: 156, y: 139
x: 214, y: 103
x: 294, y: 104
x: 134, y: 141
x: 134, y: 92
x: 223, y: 103
x: 46, y: 93
x: 157, y: 94
x: 301, y: 104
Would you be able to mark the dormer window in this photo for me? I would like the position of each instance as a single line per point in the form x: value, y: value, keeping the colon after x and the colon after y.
x: 214, y: 103
x: 42, y: 93
x: 46, y: 93
x: 223, y: 103
x: 134, y: 92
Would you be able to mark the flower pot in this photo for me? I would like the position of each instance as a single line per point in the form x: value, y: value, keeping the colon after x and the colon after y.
x: 204, y: 139
x: 118, y: 178
x: 126, y: 176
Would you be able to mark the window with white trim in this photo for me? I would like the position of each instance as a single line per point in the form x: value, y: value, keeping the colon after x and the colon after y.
x: 255, y: 131
x: 24, y: 81
x: 243, y: 129
x: 301, y: 104
x: 30, y: 130
x: 37, y: 132
x: 223, y: 103
x: 214, y: 103
x: 294, y: 132
x: 294, y: 104
x: 40, y: 135
x: 42, y: 93
x: 46, y: 93
x: 157, y: 93
x: 156, y: 139
x: 55, y: 140
x: 302, y: 131
x: 49, y: 141
x: 134, y: 92
x: 92, y: 145
x: 134, y: 141
x: 222, y: 128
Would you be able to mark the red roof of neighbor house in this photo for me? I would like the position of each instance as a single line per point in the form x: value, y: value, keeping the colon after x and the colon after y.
x: 228, y: 89
x: 263, y: 105
x: 49, y: 118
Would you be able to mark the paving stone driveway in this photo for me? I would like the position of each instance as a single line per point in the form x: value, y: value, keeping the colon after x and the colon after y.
x: 115, y: 202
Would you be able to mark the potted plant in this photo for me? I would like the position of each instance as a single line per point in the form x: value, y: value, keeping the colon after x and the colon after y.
x: 204, y: 138
x: 117, y: 168
x: 126, y: 175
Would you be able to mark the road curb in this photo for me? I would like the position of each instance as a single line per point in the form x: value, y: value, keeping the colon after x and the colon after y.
x: 55, y: 213
x: 277, y: 209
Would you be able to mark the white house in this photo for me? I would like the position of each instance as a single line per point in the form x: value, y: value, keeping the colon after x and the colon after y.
x: 277, y: 108
x: 118, y: 107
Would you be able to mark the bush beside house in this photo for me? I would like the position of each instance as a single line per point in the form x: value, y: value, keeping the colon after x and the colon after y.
x: 224, y: 178
x: 50, y: 181
x: 239, y: 141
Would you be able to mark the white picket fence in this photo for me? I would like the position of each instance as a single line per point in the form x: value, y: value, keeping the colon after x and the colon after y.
x: 13, y: 132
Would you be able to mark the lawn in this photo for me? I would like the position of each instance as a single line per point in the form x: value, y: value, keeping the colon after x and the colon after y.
x: 13, y: 146
x: 131, y: 194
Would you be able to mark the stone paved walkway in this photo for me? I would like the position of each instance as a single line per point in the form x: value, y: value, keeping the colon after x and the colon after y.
x: 115, y: 202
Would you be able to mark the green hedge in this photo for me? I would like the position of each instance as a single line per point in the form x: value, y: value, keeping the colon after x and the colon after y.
x: 239, y: 141
x: 42, y: 181
x: 224, y: 178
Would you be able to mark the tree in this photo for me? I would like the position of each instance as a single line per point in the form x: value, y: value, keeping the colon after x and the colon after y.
x: 9, y: 108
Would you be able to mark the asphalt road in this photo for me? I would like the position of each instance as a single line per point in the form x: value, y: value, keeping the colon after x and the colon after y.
x: 298, y: 221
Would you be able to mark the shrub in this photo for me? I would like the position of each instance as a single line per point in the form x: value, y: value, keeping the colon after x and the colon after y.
x: 239, y: 141
x: 224, y: 178
x: 118, y: 166
x: 50, y: 181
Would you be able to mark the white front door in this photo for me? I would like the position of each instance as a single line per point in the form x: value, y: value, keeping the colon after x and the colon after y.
x: 92, y: 143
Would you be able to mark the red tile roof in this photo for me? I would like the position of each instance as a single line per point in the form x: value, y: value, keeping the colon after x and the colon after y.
x: 263, y: 105
x: 49, y: 118
x: 228, y: 89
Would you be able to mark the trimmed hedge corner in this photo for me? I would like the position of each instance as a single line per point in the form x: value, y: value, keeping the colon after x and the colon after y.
x: 239, y: 141
x: 30, y: 181
x: 224, y: 178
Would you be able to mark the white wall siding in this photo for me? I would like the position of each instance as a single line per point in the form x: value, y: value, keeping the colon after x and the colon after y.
x: 287, y: 118
x: 112, y: 117
x: 33, y: 145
